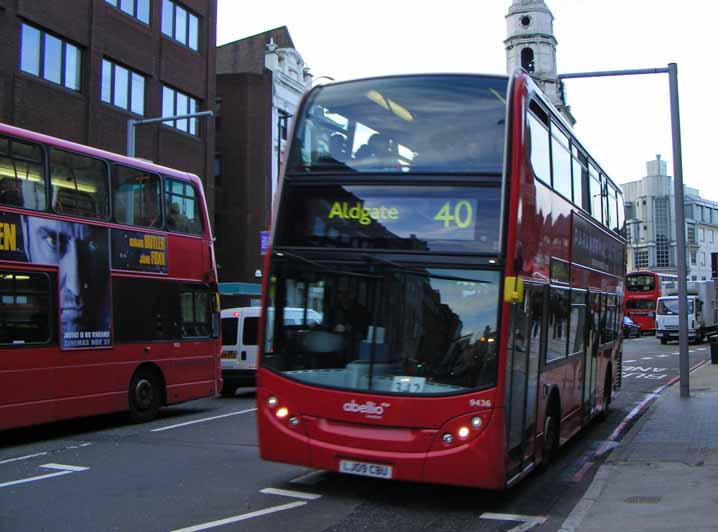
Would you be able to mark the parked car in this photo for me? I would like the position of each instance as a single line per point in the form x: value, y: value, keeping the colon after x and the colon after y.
x: 630, y: 328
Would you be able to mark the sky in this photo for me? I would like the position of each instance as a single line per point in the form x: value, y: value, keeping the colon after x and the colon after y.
x: 623, y: 121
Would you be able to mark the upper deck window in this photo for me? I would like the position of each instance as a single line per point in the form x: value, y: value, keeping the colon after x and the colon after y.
x: 22, y: 180
x: 136, y: 197
x: 79, y: 184
x: 417, y: 124
x: 182, y: 207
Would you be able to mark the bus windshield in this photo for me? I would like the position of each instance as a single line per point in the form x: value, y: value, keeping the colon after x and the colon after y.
x: 640, y: 283
x: 384, y: 328
x: 438, y: 123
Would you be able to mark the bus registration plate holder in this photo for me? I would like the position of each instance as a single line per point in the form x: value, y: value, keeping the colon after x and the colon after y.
x: 365, y: 469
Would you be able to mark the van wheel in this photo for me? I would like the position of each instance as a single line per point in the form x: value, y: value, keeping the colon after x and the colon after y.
x: 664, y: 341
x: 228, y: 390
x: 144, y: 396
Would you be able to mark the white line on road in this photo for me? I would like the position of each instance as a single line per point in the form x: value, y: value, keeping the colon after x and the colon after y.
x: 203, y: 420
x: 64, y: 470
x: 529, y: 521
x: 26, y: 457
x: 290, y: 493
x: 242, y: 517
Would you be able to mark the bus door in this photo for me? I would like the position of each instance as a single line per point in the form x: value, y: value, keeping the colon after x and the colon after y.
x: 595, y: 309
x: 522, y: 370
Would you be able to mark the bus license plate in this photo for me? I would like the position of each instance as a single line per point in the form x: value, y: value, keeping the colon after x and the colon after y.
x: 365, y: 469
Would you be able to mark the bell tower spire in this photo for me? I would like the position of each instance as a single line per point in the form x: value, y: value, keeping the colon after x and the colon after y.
x: 530, y: 44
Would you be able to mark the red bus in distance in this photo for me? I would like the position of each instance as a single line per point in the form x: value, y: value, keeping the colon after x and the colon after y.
x: 643, y: 288
x: 108, y: 286
x: 460, y: 255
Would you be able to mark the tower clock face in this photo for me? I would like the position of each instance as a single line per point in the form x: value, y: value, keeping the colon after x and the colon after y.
x: 525, y: 21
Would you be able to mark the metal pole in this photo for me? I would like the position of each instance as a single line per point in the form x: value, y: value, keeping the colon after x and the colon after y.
x: 131, y: 137
x: 132, y: 123
x: 680, y: 231
x: 672, y: 72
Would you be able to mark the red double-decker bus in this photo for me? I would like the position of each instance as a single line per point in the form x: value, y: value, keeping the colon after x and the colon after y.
x: 643, y: 288
x: 108, y: 288
x: 461, y: 257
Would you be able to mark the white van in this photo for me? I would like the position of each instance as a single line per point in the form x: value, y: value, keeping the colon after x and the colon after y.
x: 240, y: 333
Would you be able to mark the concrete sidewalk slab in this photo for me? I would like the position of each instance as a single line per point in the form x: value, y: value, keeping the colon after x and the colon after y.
x: 664, y: 475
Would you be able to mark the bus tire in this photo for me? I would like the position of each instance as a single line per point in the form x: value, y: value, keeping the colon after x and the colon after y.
x: 145, y: 396
x: 551, y: 435
x: 228, y: 390
x: 606, y: 402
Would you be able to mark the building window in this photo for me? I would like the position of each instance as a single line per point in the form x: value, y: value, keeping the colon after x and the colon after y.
x: 642, y: 259
x: 217, y: 170
x: 694, y: 254
x: 140, y: 9
x: 180, y: 24
x: 691, y: 234
x: 702, y: 258
x: 50, y: 57
x: 176, y: 103
x: 123, y: 87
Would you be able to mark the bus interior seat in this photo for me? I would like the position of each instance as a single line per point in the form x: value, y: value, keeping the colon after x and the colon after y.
x: 11, y: 192
x: 75, y: 202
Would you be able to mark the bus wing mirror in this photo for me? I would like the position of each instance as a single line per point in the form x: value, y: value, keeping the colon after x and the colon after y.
x: 513, y: 290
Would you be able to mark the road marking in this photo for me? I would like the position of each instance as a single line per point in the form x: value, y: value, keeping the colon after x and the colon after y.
x: 309, y: 479
x: 629, y: 361
x: 63, y: 470
x: 662, y: 356
x: 290, y: 493
x: 242, y: 517
x: 203, y: 420
x: 529, y: 521
x: 26, y: 457
x: 582, y: 472
x: 647, y: 358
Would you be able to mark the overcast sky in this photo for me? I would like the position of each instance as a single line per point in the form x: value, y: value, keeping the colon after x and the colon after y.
x: 623, y: 121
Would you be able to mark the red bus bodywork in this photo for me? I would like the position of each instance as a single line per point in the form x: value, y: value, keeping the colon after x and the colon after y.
x: 44, y: 383
x: 640, y: 302
x: 317, y: 427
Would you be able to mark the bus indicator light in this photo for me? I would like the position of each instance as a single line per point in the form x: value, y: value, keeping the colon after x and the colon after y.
x: 476, y: 422
x: 447, y: 439
x: 463, y: 432
x: 282, y: 412
x: 272, y: 401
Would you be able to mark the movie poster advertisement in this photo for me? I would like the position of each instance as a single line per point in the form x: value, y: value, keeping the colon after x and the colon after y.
x: 139, y: 252
x: 81, y: 254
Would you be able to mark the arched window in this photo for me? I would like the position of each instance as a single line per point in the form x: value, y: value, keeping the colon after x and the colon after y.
x: 527, y: 59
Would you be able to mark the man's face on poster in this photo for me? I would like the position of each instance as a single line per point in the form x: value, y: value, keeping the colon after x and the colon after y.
x: 80, y: 253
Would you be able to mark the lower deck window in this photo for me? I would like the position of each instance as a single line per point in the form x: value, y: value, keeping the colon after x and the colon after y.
x: 25, y: 310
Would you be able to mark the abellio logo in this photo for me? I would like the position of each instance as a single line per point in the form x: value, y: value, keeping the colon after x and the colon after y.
x: 370, y: 407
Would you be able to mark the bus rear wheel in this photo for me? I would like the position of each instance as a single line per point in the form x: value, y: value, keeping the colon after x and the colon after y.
x: 228, y: 390
x: 550, y: 438
x: 145, y: 396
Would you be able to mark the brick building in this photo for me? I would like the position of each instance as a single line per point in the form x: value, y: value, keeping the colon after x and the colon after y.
x: 80, y: 69
x: 260, y: 81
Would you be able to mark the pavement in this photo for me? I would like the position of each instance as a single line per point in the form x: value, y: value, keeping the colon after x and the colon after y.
x: 663, y: 475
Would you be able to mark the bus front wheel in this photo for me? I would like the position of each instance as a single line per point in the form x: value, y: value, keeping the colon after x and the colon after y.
x: 145, y: 396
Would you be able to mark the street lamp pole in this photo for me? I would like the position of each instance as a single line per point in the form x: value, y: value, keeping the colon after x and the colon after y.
x: 131, y: 124
x: 672, y: 71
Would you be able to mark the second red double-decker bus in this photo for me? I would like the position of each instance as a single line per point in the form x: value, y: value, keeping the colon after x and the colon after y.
x: 108, y: 292
x: 459, y: 258
x: 643, y: 288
